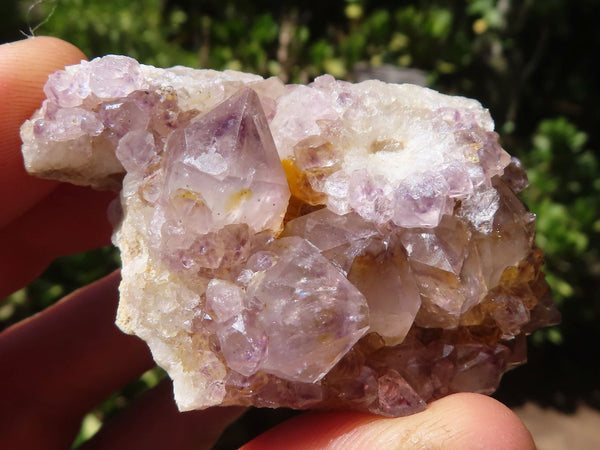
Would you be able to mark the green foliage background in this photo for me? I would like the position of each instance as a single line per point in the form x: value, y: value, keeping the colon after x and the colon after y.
x: 531, y: 63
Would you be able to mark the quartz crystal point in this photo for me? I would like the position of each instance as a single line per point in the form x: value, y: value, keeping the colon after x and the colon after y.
x: 334, y: 245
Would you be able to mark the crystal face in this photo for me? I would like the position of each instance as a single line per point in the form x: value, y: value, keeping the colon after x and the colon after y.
x: 333, y: 245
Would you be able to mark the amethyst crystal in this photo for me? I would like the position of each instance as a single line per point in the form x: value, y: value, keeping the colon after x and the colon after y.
x: 334, y: 245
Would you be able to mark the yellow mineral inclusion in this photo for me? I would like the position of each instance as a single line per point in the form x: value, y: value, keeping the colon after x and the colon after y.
x: 235, y: 200
x: 293, y: 175
x: 189, y: 195
x: 299, y: 185
x: 472, y: 154
x: 388, y: 145
x: 325, y: 338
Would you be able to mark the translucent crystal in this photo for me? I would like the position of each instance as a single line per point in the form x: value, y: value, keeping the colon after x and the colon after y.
x: 226, y: 162
x: 333, y: 245
x: 302, y: 300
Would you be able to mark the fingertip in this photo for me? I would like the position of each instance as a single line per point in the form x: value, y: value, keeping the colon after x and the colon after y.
x: 312, y: 430
x: 481, y: 422
x: 458, y: 421
x: 65, y: 51
x: 24, y: 69
x: 26, y: 64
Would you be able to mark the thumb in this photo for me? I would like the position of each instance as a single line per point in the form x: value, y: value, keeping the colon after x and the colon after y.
x: 459, y: 421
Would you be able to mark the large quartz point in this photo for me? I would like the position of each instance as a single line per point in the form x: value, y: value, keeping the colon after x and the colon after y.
x: 334, y: 245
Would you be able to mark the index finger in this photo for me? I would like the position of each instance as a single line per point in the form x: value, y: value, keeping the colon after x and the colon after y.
x: 39, y: 219
x: 24, y: 68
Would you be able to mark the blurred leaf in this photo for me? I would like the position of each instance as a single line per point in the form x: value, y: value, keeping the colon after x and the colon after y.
x: 90, y: 425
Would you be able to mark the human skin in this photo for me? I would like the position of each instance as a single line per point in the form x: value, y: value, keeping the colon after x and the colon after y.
x: 57, y: 365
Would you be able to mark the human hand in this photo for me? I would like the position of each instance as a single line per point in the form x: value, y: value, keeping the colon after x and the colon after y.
x: 57, y: 365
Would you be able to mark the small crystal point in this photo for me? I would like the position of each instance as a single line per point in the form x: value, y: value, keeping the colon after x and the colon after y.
x: 231, y: 147
x: 384, y: 277
x: 306, y: 303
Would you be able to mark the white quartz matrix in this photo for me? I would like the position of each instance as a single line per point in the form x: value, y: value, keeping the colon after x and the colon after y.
x: 333, y: 245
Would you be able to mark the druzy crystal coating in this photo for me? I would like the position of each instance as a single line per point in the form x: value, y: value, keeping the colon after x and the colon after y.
x: 333, y: 245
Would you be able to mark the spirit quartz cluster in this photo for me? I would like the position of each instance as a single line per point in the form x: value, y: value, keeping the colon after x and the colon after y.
x: 333, y: 245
